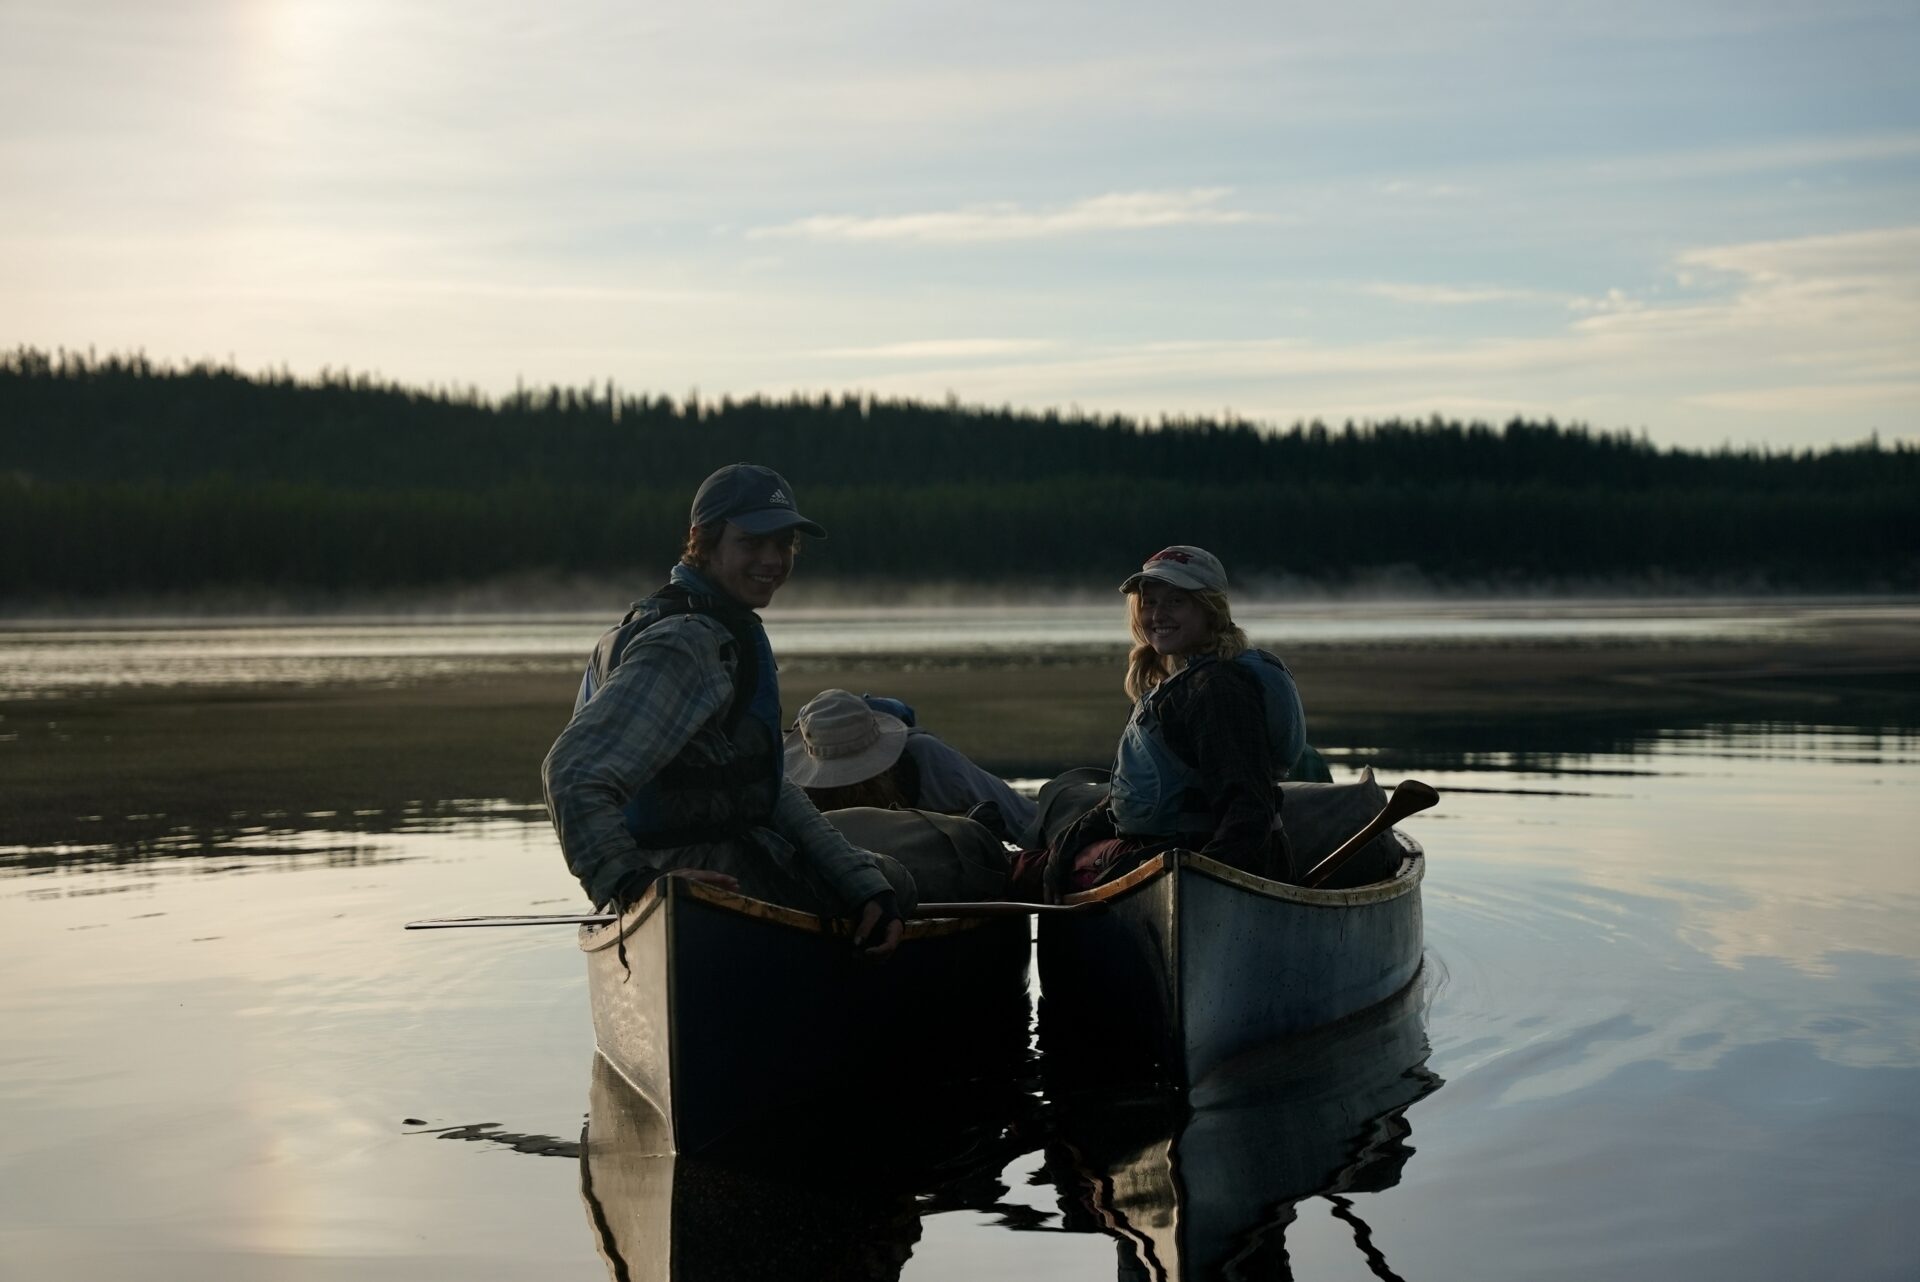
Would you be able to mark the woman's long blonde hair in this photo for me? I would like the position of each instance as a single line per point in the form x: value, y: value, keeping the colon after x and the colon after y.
x: 1147, y: 667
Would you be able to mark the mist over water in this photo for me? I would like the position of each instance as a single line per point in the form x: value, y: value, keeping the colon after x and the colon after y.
x: 1668, y: 1027
x: 75, y: 657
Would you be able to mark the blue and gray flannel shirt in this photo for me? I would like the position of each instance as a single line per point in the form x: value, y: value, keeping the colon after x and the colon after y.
x: 669, y: 694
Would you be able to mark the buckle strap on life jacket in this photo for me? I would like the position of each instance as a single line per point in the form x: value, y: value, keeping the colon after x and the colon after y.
x: 741, y: 770
x: 691, y: 835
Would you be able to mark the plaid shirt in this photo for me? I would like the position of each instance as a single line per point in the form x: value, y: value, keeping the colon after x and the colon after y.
x: 668, y: 697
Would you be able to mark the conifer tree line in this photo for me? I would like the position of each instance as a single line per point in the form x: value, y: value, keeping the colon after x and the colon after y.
x: 119, y: 474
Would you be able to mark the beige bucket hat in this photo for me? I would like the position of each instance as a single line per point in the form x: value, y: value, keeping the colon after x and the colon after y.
x: 837, y: 740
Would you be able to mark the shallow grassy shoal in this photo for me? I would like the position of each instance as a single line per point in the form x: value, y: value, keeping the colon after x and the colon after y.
x: 135, y: 766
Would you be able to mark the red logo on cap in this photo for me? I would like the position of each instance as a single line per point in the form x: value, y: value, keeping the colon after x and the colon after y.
x: 1171, y: 554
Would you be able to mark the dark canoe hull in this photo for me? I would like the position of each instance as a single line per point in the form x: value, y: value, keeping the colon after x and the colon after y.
x: 823, y: 1203
x: 1193, y: 962
x: 727, y: 1009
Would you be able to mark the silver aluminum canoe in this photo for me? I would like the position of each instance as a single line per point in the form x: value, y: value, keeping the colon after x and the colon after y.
x: 1193, y: 962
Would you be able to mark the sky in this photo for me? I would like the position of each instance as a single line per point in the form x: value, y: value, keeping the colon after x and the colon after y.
x: 1694, y: 220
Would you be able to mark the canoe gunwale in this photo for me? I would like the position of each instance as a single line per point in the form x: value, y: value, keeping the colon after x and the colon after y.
x: 594, y: 938
x: 1405, y: 880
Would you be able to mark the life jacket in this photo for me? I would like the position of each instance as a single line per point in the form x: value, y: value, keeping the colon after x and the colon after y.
x: 695, y: 799
x: 1156, y: 792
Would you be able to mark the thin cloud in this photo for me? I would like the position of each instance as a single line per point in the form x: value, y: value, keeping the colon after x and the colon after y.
x: 1004, y: 221
x: 1865, y: 256
x: 1422, y: 190
x: 1614, y: 301
x: 1789, y: 154
x: 1811, y: 328
x: 537, y: 293
x: 1808, y: 399
x: 1455, y: 295
x: 943, y: 349
x: 1836, y: 300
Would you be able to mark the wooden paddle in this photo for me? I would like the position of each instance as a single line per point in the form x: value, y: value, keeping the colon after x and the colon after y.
x: 1409, y: 797
x: 986, y: 908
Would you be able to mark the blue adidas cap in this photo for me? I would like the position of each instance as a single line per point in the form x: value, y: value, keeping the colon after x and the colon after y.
x: 757, y: 499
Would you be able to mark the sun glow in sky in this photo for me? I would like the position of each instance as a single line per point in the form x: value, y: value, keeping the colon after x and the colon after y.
x: 1697, y: 219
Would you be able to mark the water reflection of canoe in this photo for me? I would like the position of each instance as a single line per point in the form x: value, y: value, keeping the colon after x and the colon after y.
x: 720, y: 1009
x: 664, y: 1217
x: 820, y: 1200
x: 1193, y: 962
x: 1204, y: 1184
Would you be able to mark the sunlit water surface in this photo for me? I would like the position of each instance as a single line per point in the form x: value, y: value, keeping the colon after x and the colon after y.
x: 1669, y: 1027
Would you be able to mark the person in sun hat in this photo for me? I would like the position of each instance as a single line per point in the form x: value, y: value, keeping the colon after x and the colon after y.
x: 852, y: 750
x: 672, y: 763
x: 1215, y: 725
x: 894, y: 787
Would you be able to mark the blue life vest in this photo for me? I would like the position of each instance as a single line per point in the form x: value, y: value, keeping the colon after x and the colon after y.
x: 1155, y: 792
x: 698, y: 796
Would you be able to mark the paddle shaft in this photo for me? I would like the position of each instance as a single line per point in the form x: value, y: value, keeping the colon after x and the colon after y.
x: 1410, y: 797
x: 991, y: 908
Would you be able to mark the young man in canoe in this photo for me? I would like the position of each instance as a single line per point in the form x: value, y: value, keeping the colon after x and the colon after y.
x: 672, y: 764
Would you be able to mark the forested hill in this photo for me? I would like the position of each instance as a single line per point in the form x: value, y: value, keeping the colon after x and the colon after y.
x: 123, y: 476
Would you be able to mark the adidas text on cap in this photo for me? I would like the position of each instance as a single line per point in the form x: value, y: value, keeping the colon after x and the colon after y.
x: 757, y: 499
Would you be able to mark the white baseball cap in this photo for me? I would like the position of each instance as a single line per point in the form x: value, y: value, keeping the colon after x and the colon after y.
x: 1184, y: 566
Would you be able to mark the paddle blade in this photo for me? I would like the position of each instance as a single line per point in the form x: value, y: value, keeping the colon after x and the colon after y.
x: 1409, y: 797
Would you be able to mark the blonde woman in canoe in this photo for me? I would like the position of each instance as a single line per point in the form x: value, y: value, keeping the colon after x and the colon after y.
x: 1215, y: 724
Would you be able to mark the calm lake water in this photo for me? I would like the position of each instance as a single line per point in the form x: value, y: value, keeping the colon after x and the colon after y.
x: 1669, y: 1027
